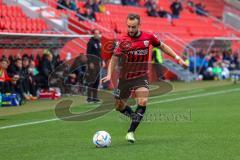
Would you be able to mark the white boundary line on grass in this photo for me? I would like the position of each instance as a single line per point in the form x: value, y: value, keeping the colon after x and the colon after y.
x: 157, y: 102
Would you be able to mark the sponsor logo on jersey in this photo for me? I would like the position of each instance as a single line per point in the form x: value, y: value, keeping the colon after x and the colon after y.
x: 139, y: 52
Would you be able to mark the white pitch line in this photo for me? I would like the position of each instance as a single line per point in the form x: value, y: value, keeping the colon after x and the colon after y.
x: 29, y: 123
x: 158, y: 102
x: 195, y: 96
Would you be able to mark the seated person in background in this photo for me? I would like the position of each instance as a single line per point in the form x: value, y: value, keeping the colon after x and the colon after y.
x: 191, y: 6
x: 56, y: 59
x: 176, y: 8
x: 95, y: 5
x: 129, y: 2
x: 217, y: 71
x: 152, y: 11
x: 163, y: 14
x: 16, y: 73
x: 32, y: 68
x: 88, y: 4
x: 149, y: 3
x: 73, y: 5
x: 29, y: 86
x: 200, y: 10
x: 62, y: 4
x: 4, y: 78
x: 87, y: 14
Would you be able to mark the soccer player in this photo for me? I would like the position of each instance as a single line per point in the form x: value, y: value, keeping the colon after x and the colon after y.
x: 131, y: 53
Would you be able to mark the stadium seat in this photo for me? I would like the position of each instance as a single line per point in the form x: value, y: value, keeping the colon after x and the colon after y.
x: 12, y: 19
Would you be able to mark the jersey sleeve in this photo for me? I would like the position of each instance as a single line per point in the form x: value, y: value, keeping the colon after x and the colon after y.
x: 155, y: 40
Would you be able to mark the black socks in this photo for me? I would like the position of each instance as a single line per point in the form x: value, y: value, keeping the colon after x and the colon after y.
x: 127, y: 111
x: 137, y: 117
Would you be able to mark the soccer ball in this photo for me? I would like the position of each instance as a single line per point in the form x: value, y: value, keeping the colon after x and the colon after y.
x: 102, y: 139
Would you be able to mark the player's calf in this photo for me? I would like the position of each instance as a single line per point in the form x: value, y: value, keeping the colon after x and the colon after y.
x: 123, y: 108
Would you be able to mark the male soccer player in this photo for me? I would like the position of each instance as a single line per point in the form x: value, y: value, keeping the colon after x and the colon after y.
x: 132, y: 52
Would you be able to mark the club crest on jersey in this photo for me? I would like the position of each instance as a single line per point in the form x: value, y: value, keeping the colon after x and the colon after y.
x: 146, y: 43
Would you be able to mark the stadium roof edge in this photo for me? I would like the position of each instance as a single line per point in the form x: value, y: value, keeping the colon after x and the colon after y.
x: 35, y: 41
x: 46, y: 35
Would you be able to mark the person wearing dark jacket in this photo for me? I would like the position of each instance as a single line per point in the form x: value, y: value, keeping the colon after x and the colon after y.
x: 62, y: 4
x: 45, y: 69
x: 15, y: 71
x: 93, y: 66
x: 28, y: 84
x: 89, y: 14
x: 176, y: 8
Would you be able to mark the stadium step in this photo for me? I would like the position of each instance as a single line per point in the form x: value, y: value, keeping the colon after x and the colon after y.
x: 181, y: 73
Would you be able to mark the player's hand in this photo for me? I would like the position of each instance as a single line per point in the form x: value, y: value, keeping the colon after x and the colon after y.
x: 183, y: 63
x: 106, y: 79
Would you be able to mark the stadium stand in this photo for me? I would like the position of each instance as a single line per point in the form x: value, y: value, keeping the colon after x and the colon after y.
x: 13, y: 19
x: 188, y: 27
x: 214, y: 7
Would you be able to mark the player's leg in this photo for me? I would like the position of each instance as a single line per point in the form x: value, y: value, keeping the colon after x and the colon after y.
x: 141, y: 98
x: 141, y: 93
x: 122, y: 93
x: 122, y: 107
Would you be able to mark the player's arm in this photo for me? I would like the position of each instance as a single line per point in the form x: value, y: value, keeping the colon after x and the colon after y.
x: 112, y: 65
x: 169, y: 51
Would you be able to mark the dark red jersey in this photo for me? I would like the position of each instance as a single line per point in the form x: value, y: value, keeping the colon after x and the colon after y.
x: 134, y: 54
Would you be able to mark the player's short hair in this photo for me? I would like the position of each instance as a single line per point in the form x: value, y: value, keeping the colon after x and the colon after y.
x: 133, y: 16
x: 94, y: 30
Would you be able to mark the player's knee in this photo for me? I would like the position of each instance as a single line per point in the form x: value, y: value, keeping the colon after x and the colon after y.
x: 142, y: 101
x: 119, y: 105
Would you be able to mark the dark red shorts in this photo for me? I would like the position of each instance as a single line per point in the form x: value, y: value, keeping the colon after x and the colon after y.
x: 125, y: 87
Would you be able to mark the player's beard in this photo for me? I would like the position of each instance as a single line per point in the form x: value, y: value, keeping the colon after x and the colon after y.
x: 134, y: 35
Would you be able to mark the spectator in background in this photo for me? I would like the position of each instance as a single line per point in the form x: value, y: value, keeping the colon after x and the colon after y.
x: 28, y: 84
x: 191, y: 6
x: 129, y: 2
x: 62, y: 4
x: 73, y: 5
x: 45, y: 69
x: 95, y: 62
x: 152, y: 11
x: 217, y: 71
x: 212, y: 58
x: 162, y: 13
x: 124, y: 2
x: 225, y: 71
x: 16, y: 73
x: 176, y: 8
x: 4, y: 78
x: 88, y: 4
x: 56, y: 58
x: 88, y: 14
x: 149, y: 3
x: 33, y: 71
x: 79, y: 14
x: 95, y: 6
x: 200, y: 10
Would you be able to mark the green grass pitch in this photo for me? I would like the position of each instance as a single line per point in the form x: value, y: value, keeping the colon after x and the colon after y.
x: 196, y: 121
